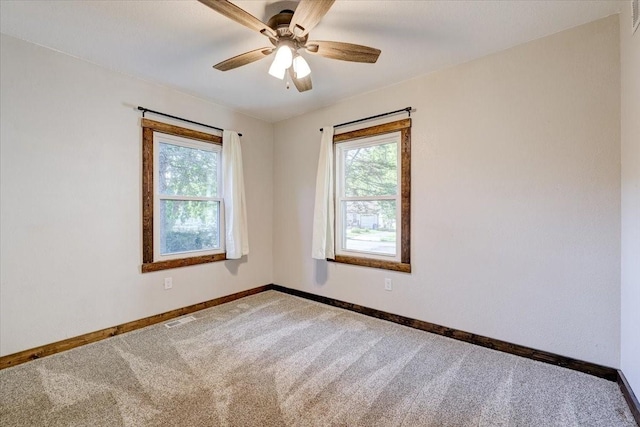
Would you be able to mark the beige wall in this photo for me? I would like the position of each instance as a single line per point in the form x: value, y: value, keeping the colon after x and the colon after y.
x: 71, y: 200
x: 630, y: 137
x: 515, y: 197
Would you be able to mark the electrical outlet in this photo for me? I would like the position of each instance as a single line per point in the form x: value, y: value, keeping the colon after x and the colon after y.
x: 168, y: 283
x: 388, y: 286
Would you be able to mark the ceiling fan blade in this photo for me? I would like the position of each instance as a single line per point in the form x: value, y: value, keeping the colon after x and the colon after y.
x: 343, y: 51
x: 244, y: 59
x: 303, y: 84
x: 239, y: 15
x: 307, y: 15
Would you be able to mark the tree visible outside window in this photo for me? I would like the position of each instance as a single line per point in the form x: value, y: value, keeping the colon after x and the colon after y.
x: 368, y: 196
x: 373, y: 195
x: 187, y: 192
x: 182, y: 209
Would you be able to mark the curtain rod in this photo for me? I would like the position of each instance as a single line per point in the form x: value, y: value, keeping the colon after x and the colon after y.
x: 146, y: 110
x: 377, y: 116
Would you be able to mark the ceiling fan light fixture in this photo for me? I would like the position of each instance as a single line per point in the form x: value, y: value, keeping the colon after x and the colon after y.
x: 282, y: 61
x: 301, y: 67
x: 277, y: 71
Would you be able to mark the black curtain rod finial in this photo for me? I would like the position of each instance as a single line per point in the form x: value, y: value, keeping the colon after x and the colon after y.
x: 145, y: 110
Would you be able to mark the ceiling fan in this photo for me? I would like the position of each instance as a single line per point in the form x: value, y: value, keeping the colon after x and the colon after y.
x: 288, y: 32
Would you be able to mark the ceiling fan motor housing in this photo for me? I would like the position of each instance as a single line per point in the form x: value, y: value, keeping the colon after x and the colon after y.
x: 280, y: 24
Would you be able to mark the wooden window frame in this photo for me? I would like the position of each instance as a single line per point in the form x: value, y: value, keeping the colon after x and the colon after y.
x: 148, y: 129
x: 404, y: 127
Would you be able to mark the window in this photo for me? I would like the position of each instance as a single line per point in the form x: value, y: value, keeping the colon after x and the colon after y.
x: 373, y: 196
x: 183, y: 212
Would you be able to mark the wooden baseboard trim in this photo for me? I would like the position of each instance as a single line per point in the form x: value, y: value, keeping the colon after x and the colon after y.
x: 60, y: 346
x: 629, y: 396
x: 605, y: 372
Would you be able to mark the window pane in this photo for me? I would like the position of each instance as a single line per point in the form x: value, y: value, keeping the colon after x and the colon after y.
x: 371, y: 171
x: 187, y: 171
x: 370, y: 226
x: 188, y: 226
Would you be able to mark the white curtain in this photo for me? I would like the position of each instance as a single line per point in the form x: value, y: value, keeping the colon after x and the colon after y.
x: 235, y: 209
x: 323, y: 226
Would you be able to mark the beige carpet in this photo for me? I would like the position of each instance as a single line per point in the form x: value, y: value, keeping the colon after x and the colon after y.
x: 276, y: 360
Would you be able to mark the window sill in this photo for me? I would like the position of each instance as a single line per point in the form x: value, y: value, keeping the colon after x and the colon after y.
x: 373, y: 263
x: 181, y: 262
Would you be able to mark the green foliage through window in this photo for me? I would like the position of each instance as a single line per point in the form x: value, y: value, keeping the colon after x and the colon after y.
x: 371, y: 171
x: 188, y: 226
x: 186, y: 173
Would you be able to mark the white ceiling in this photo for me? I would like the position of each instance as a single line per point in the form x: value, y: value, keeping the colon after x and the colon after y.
x: 175, y: 43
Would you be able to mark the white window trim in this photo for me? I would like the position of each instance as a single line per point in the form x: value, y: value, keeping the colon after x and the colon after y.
x: 394, y: 137
x: 158, y: 138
